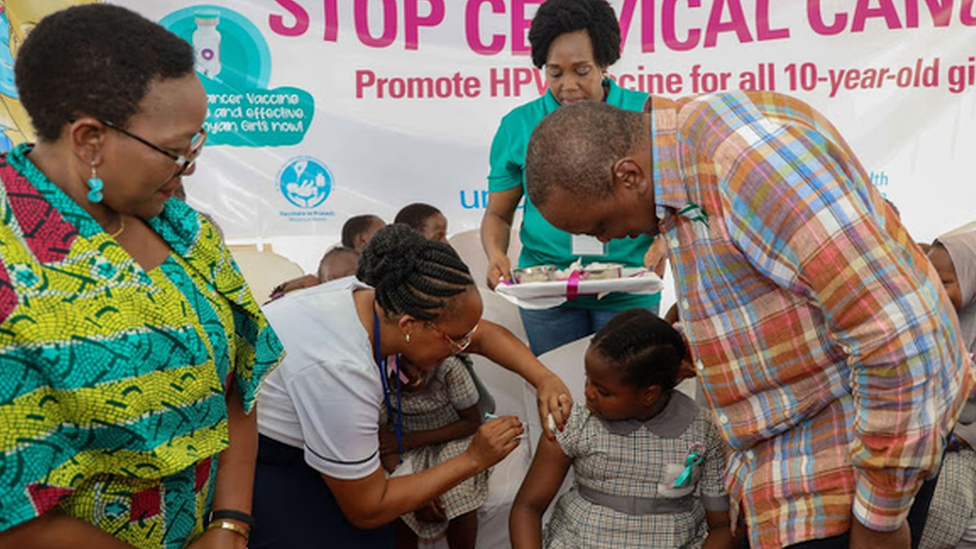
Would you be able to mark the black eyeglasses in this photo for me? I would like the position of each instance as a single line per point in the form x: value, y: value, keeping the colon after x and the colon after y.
x: 184, y: 161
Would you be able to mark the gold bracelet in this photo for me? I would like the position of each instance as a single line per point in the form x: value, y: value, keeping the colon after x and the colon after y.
x: 227, y: 525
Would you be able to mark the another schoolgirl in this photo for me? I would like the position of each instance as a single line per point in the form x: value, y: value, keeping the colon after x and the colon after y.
x: 648, y: 463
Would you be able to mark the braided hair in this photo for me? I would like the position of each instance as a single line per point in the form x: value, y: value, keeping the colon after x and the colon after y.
x: 412, y: 275
x: 645, y: 347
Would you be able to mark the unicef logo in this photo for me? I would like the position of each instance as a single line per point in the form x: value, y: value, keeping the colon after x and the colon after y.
x: 305, y: 182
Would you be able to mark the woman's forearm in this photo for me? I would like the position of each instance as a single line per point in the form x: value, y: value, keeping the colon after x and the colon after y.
x: 502, y: 347
x: 235, y: 468
x: 375, y: 500
x: 55, y: 529
x: 495, y: 234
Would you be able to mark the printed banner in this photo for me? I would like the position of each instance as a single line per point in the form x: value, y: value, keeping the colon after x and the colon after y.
x: 325, y: 109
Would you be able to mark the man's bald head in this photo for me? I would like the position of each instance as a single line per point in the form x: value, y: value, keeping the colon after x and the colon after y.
x: 575, y: 149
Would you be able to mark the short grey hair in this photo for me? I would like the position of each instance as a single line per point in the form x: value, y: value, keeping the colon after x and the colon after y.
x: 576, y: 147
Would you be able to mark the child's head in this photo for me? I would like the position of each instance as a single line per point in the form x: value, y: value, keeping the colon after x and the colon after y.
x: 425, y: 219
x: 942, y: 262
x: 338, y: 262
x: 630, y: 364
x: 954, y: 257
x: 357, y: 231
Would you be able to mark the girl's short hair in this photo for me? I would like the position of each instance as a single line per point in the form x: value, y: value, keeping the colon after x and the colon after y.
x: 416, y: 215
x: 645, y: 347
x: 357, y: 225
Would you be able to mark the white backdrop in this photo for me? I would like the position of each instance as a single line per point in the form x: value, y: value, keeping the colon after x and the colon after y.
x: 896, y: 77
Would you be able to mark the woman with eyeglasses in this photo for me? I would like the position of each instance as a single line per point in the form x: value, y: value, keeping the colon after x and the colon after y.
x: 131, y: 350
x: 319, y: 474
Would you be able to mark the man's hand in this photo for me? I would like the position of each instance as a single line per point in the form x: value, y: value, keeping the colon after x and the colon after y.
x: 656, y: 253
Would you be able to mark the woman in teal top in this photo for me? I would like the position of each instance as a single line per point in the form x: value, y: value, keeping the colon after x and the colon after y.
x: 576, y: 41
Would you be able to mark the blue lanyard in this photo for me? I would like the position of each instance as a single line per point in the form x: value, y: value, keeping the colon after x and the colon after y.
x: 398, y: 425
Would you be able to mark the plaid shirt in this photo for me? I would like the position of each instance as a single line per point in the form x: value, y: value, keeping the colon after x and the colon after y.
x: 827, y: 350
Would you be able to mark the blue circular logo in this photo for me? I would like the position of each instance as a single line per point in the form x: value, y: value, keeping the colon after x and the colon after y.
x: 305, y: 182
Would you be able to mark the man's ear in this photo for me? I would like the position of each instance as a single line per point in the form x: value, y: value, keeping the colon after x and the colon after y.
x: 628, y: 175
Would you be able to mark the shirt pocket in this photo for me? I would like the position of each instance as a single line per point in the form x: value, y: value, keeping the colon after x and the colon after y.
x: 672, y: 471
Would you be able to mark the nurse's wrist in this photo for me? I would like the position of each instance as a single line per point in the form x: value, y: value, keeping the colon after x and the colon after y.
x: 471, y: 463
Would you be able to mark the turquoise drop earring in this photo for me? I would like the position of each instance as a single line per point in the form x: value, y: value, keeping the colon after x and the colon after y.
x: 95, y: 184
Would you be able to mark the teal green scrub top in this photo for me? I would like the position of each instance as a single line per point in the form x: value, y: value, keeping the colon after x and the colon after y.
x: 543, y: 244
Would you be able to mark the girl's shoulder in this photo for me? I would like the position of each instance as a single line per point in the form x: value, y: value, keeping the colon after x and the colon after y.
x: 582, y: 430
x: 452, y: 372
x: 454, y: 364
x: 452, y: 382
x: 701, y: 424
x: 580, y: 417
x: 686, y: 410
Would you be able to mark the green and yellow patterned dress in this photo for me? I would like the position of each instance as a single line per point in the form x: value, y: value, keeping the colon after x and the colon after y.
x: 112, y: 378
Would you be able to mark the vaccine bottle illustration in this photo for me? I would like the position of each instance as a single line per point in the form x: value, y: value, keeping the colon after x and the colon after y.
x: 206, y: 42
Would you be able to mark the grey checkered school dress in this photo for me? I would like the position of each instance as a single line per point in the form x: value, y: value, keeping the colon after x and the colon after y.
x: 954, y: 501
x: 450, y: 389
x: 629, y: 462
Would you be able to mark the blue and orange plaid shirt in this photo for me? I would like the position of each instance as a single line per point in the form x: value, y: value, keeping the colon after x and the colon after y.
x: 826, y: 347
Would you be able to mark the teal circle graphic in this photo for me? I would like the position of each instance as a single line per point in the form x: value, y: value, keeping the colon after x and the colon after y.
x: 244, y: 54
x: 305, y: 182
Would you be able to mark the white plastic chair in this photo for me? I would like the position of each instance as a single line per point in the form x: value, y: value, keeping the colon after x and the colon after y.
x: 502, y: 311
x: 505, y: 386
x: 468, y: 246
x: 263, y: 270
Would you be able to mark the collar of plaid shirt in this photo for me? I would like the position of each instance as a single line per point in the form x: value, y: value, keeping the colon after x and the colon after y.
x: 669, y: 190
